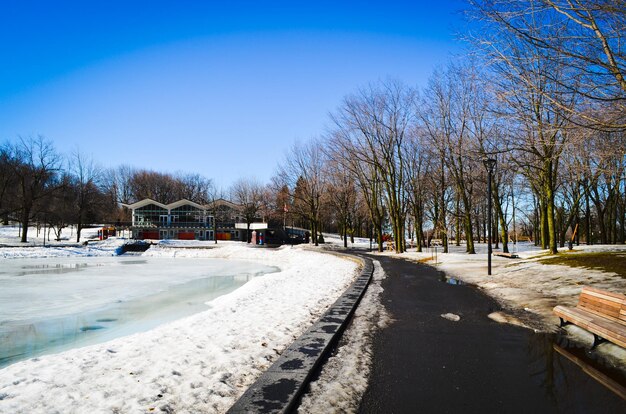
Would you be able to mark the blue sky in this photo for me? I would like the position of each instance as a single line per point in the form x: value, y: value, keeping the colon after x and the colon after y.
x: 218, y: 88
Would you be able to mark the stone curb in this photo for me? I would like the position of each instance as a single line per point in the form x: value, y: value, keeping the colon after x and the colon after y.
x: 278, y: 390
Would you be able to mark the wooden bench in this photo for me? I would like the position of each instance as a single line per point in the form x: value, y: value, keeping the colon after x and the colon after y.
x: 508, y: 255
x: 600, y: 312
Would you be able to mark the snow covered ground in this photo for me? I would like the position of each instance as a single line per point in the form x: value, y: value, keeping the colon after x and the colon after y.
x: 11, y: 247
x: 204, y: 362
x: 201, y: 363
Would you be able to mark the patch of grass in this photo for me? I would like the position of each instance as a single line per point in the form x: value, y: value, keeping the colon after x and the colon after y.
x: 605, y: 261
x: 539, y: 255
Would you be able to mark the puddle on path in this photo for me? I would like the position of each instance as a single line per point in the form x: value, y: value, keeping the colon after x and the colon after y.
x: 450, y: 280
x: 571, y: 374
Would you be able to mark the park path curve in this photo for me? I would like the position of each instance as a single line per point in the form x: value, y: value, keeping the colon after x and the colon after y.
x: 423, y: 362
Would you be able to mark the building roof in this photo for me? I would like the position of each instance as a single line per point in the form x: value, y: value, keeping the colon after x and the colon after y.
x: 185, y: 202
x: 143, y: 203
x: 217, y: 203
x: 175, y: 204
x: 222, y: 202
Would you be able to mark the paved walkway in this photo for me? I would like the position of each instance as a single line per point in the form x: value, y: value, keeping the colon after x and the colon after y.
x: 425, y: 363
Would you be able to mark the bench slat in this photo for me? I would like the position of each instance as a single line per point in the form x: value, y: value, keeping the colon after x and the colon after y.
x: 600, y: 314
x: 607, y: 329
x: 604, y: 293
x: 605, y: 301
x: 617, y: 297
x: 611, y: 308
x: 601, y: 304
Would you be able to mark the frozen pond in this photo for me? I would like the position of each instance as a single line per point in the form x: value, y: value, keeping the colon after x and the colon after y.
x: 50, y: 305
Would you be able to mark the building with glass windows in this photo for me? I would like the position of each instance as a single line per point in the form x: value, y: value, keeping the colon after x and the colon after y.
x: 182, y: 220
x: 186, y: 220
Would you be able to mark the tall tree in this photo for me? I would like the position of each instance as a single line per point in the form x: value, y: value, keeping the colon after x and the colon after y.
x: 375, y: 122
x: 446, y: 114
x: 86, y: 178
x: 35, y: 165
x: 302, y: 172
x: 8, y: 184
x: 538, y: 106
x: 341, y: 197
x: 249, y: 194
x: 417, y: 166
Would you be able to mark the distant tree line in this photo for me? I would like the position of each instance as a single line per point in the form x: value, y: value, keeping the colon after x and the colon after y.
x: 40, y: 186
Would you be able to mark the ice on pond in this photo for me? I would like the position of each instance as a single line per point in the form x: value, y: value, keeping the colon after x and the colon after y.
x: 49, y: 305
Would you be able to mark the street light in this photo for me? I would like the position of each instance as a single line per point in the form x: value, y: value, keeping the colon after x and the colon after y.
x: 490, y: 165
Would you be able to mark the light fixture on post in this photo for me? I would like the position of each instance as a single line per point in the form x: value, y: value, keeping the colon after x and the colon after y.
x: 490, y: 165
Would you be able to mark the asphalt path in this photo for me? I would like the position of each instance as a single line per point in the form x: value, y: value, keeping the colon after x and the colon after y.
x: 425, y: 363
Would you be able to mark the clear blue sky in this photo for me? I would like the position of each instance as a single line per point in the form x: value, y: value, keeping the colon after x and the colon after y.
x: 218, y: 88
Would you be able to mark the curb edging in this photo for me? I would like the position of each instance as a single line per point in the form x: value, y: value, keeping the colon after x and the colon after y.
x: 278, y: 390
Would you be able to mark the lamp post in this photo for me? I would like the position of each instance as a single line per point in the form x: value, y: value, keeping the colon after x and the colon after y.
x: 490, y: 165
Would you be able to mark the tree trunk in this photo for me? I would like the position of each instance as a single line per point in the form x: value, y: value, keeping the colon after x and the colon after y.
x: 79, y: 228
x: 588, y: 219
x: 504, y: 229
x: 545, y: 236
x: 551, y: 222
x: 419, y: 235
x: 457, y: 234
x: 25, y: 222
x: 494, y: 230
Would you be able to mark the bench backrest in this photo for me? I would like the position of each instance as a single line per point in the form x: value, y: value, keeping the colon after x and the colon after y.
x: 606, y: 304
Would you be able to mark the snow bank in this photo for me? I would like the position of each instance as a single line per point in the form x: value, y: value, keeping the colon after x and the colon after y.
x: 107, y: 247
x: 10, y: 236
x: 202, y: 363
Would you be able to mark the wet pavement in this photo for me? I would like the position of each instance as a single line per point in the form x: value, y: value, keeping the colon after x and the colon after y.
x: 425, y: 363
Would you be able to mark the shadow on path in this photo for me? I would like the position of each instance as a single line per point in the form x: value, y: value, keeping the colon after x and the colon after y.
x: 425, y: 363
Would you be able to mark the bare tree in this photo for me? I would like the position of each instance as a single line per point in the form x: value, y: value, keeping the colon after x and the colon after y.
x: 341, y: 197
x: 8, y: 184
x: 417, y: 165
x: 60, y: 210
x: 86, y: 178
x: 586, y: 36
x: 536, y: 104
x: 447, y: 115
x: 194, y: 187
x: 35, y: 165
x: 374, y: 123
x: 344, y: 148
x: 302, y: 172
x: 249, y: 194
